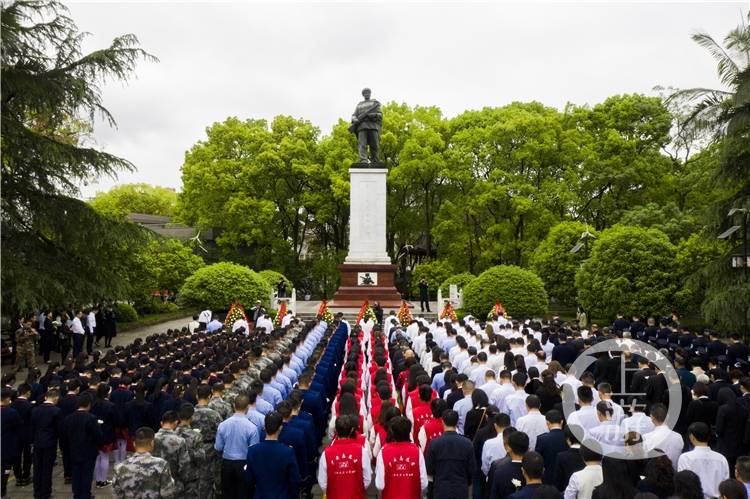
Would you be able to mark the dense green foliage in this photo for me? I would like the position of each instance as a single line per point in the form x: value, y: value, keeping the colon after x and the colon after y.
x: 166, y: 263
x: 50, y: 96
x: 520, y: 291
x: 125, y: 312
x: 460, y: 280
x: 219, y: 285
x: 435, y: 271
x: 631, y: 270
x: 272, y: 278
x: 135, y: 198
x: 556, y: 265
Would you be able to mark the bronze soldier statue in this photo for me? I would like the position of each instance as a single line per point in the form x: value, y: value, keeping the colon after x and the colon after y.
x: 367, y: 121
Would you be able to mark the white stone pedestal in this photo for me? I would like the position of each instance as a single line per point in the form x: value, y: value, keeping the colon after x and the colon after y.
x: 367, y: 205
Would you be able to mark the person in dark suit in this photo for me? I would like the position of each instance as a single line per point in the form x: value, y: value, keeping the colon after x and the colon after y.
x: 720, y: 380
x: 502, y: 481
x: 716, y: 347
x: 568, y: 461
x: 68, y: 405
x: 550, y: 445
x: 657, y: 389
x: 450, y: 462
x: 701, y: 408
x: 271, y: 470
x: 563, y: 352
x: 22, y: 466
x: 737, y: 351
x: 46, y: 422
x: 424, y: 295
x: 83, y: 435
x: 620, y: 324
x: 532, y: 467
x: 640, y: 378
x: 11, y: 423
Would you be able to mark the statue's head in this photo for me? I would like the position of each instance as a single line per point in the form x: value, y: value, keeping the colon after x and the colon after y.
x: 366, y: 93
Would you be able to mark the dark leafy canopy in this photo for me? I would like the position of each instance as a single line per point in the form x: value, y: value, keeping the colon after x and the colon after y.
x: 56, y: 249
x: 631, y: 270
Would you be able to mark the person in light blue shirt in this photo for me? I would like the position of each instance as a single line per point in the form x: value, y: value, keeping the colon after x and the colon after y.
x: 214, y: 325
x: 234, y: 437
x: 254, y: 415
x: 261, y: 405
x: 270, y: 394
x: 287, y: 371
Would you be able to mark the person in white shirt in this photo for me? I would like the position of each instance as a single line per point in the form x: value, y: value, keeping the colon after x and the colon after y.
x: 571, y: 381
x: 533, y: 423
x: 582, y: 483
x: 710, y: 466
x: 638, y: 422
x: 494, y: 448
x: 78, y: 333
x: 463, y: 406
x: 670, y: 442
x: 605, y: 394
x: 241, y: 323
x: 608, y: 433
x: 204, y: 318
x: 287, y: 319
x: 193, y: 325
x: 497, y: 397
x: 490, y: 384
x: 478, y: 373
x: 515, y: 404
x: 585, y: 417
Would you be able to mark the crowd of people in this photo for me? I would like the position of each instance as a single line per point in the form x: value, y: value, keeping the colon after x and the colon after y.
x: 443, y: 409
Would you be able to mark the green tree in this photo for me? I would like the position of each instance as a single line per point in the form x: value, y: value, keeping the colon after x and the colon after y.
x: 520, y: 291
x: 272, y: 278
x: 435, y: 271
x: 556, y: 265
x: 725, y: 112
x: 219, y: 285
x: 135, y: 198
x: 50, y: 96
x: 169, y: 263
x: 630, y: 270
x: 667, y: 217
x: 254, y: 182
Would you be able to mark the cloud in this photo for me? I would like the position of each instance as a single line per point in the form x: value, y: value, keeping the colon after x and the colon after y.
x: 311, y: 60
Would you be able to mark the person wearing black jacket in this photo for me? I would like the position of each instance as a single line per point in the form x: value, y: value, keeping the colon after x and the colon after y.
x: 563, y: 352
x: 11, y: 423
x: 502, y: 480
x: 551, y: 444
x: 450, y: 461
x: 568, y: 461
x: 22, y: 465
x: 737, y: 351
x: 82, y: 432
x: 46, y: 423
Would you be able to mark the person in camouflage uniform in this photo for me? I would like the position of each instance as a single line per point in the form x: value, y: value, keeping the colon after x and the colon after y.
x: 196, y: 451
x: 26, y: 338
x: 170, y: 446
x: 207, y: 421
x: 217, y: 402
x: 143, y: 476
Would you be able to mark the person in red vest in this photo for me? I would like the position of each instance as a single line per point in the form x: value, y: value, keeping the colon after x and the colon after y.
x: 400, y: 471
x: 422, y: 410
x: 344, y: 469
x: 434, y: 427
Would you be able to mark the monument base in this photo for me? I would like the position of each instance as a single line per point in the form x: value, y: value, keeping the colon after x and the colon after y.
x: 367, y: 281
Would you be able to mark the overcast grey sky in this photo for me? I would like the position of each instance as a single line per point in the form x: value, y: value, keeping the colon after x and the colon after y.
x: 311, y: 60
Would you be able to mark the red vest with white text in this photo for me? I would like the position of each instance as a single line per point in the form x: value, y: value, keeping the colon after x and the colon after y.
x: 344, y: 467
x: 401, y: 463
x: 432, y: 429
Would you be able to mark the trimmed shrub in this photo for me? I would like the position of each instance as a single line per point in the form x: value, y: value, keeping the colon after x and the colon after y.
x: 460, y: 280
x: 631, y: 270
x: 520, y: 291
x: 272, y: 278
x: 217, y: 286
x: 435, y: 271
x: 125, y: 312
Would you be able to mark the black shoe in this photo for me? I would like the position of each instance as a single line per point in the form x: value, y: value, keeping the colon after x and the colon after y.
x: 22, y: 482
x: 100, y: 485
